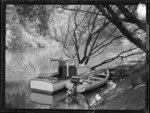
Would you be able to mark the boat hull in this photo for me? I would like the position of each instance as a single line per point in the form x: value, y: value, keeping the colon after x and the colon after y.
x: 47, y: 86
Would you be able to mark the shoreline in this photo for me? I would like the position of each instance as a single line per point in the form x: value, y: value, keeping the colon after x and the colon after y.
x: 126, y: 95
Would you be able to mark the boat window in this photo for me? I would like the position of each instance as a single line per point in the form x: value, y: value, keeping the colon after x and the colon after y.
x: 53, y: 67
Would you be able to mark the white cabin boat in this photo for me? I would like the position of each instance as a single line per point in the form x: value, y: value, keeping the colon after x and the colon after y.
x: 56, y: 82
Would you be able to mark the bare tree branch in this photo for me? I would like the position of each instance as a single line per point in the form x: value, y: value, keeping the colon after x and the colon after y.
x: 96, y: 38
x: 117, y: 22
x: 78, y: 10
x: 117, y: 56
x: 131, y: 17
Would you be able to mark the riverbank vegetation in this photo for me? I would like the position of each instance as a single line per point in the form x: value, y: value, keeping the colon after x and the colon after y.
x: 82, y: 32
x: 25, y: 27
x: 130, y: 92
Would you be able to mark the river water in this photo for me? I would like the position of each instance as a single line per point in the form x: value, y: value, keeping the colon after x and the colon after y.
x: 24, y: 65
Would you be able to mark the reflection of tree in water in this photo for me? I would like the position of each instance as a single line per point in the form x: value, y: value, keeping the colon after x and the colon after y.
x: 77, y: 102
x: 81, y: 101
x: 17, y: 95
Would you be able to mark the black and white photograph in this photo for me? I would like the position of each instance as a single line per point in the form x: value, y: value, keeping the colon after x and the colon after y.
x: 76, y: 56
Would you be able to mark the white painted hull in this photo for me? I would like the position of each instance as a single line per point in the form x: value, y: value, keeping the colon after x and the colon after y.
x: 47, y: 85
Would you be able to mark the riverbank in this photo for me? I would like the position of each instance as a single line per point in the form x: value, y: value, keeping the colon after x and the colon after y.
x: 130, y: 93
x: 125, y: 97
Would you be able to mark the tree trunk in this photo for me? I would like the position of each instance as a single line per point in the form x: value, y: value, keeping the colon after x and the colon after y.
x: 118, y: 23
x: 132, y: 18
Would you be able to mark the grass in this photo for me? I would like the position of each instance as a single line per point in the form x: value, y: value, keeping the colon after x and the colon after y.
x: 124, y: 96
x: 134, y: 71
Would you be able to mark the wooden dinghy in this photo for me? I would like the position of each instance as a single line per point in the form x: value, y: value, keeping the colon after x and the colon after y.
x: 90, y: 81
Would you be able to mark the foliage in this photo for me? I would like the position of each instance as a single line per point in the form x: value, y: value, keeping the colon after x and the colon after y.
x: 15, y: 37
x: 34, y: 13
x: 121, y: 72
x: 13, y: 29
x: 21, y: 32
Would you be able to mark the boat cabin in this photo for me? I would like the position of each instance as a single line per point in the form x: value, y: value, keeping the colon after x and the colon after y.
x: 66, y: 67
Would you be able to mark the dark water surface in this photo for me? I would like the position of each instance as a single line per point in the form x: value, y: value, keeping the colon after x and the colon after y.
x: 22, y: 66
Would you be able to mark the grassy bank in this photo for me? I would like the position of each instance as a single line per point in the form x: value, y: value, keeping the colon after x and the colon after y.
x: 134, y: 71
x: 130, y: 93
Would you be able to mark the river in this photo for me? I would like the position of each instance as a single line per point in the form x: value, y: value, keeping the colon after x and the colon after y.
x: 24, y: 65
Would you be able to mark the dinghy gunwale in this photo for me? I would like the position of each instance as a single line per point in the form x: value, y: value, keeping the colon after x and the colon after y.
x: 94, y: 84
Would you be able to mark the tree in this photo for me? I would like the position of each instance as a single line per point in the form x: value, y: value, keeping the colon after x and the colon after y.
x: 113, y: 17
x: 26, y: 26
x: 122, y: 55
x: 92, y: 25
x: 13, y: 29
x: 38, y: 13
x: 91, y: 34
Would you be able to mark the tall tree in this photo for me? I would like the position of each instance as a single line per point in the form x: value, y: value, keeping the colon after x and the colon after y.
x: 113, y: 17
x: 108, y: 22
x: 91, y: 35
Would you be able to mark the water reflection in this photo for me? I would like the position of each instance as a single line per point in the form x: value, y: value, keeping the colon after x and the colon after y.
x: 17, y: 95
x: 45, y: 98
x: 31, y: 60
x: 78, y: 101
x: 59, y: 100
